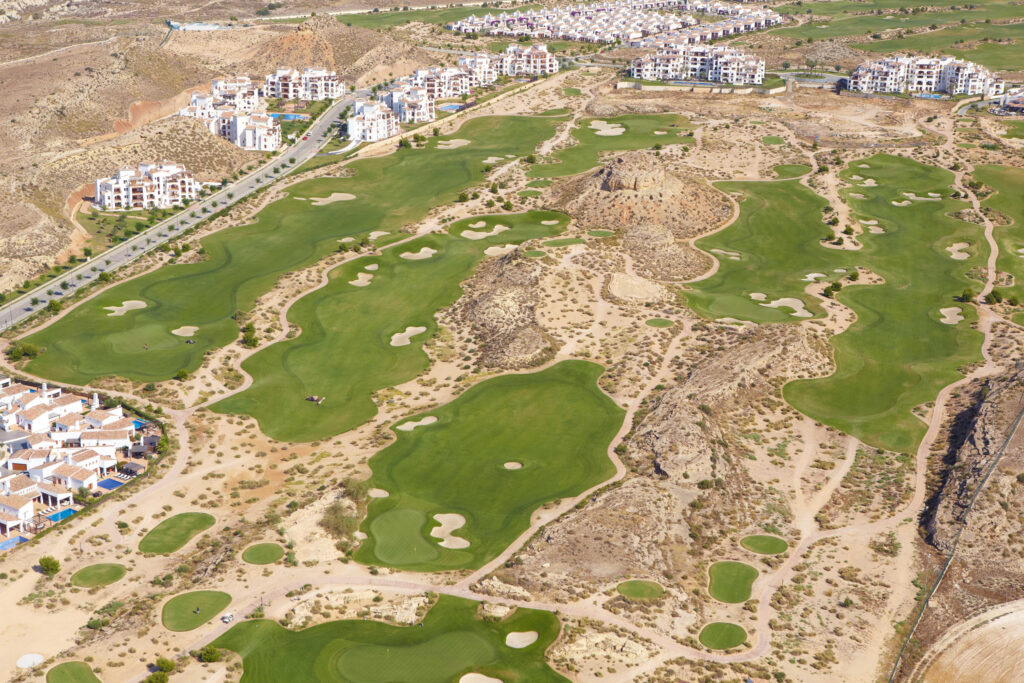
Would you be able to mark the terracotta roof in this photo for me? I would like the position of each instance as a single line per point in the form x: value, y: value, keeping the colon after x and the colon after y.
x: 4, y: 517
x: 15, y: 501
x: 20, y: 483
x: 73, y: 472
x: 36, y: 439
x: 35, y: 412
x: 53, y: 489
x: 101, y: 415
x: 125, y: 423
x: 14, y: 390
x: 30, y: 454
x: 85, y: 454
x: 105, y: 434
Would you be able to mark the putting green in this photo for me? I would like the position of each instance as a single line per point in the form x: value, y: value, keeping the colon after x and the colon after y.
x: 98, y: 575
x: 637, y: 133
x: 791, y: 170
x: 244, y: 262
x: 535, y: 253
x: 1007, y: 199
x: 556, y: 423
x: 659, y: 322
x: 529, y: 193
x: 572, y: 92
x: 402, y: 295
x: 897, y: 354
x: 764, y: 545
x: 731, y: 581
x: 772, y: 140
x: 71, y: 672
x: 263, y: 553
x: 539, y: 183
x: 189, y: 611
x: 722, y: 635
x: 450, y: 641
x: 640, y: 590
x: 174, y: 532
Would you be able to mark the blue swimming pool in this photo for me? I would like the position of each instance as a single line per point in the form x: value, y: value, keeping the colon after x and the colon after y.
x: 139, y: 424
x: 62, y: 515
x: 11, y: 542
x: 449, y: 107
x: 289, y: 117
x: 110, y: 484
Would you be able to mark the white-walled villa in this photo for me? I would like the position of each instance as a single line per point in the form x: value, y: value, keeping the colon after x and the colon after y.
x: 901, y: 74
x: 150, y: 186
x: 371, y: 121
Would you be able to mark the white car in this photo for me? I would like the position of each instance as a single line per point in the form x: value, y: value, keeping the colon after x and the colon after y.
x: 228, y: 618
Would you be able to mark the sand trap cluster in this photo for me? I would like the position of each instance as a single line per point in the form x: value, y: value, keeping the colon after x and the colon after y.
x: 347, y: 240
x: 634, y: 288
x: 377, y: 234
x: 905, y: 202
x: 731, y: 255
x: 361, y: 280
x: 423, y: 253
x: 129, y: 305
x: 811, y: 277
x: 951, y: 315
x: 798, y: 306
x: 499, y: 249
x: 479, y: 678
x: 759, y: 296
x: 377, y: 493
x: 490, y: 161
x: 185, y: 331
x: 422, y: 422
x: 932, y: 197
x: 870, y: 182
x: 661, y: 132
x: 957, y: 253
x: 856, y: 195
x: 335, y: 197
x: 521, y: 639
x: 452, y: 144
x: 606, y: 129
x: 480, y: 234
x: 372, y: 266
x: 513, y: 465
x: 403, y: 338
x: 449, y: 521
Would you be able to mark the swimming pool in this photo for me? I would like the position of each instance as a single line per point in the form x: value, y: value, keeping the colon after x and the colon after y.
x: 289, y: 117
x: 11, y: 542
x: 62, y: 515
x: 110, y: 484
x: 139, y: 424
x: 450, y: 107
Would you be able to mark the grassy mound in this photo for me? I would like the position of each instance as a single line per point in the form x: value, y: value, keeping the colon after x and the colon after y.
x: 71, y: 672
x: 174, y: 532
x: 772, y: 140
x: 722, y: 635
x: 564, y: 242
x: 640, y: 590
x: 534, y: 253
x: 263, y: 553
x: 791, y: 170
x: 601, y: 233
x: 659, y: 322
x: 764, y: 545
x: 189, y: 611
x: 98, y: 575
x: 731, y: 581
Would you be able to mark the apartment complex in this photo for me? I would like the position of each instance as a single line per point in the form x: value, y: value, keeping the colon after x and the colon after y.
x: 311, y: 84
x: 371, y: 121
x: 410, y: 103
x: 150, y: 186
x: 708, y: 62
x: 531, y: 60
x: 242, y: 127
x: 239, y: 93
x: 925, y: 75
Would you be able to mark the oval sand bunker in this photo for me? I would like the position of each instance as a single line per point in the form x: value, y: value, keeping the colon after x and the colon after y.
x: 450, y: 521
x: 185, y: 331
x: 377, y: 493
x: 499, y: 250
x: 957, y: 253
x: 403, y: 338
x: 409, y: 426
x: 479, y: 678
x: 129, y: 305
x: 513, y: 465
x: 521, y: 639
x: 951, y: 315
x: 425, y: 252
x: 335, y: 197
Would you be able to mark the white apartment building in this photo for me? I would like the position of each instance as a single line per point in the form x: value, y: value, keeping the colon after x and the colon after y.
x: 371, y: 121
x: 899, y: 74
x: 239, y: 93
x: 534, y: 60
x: 707, y: 62
x: 443, y: 82
x: 482, y: 67
x: 410, y: 103
x: 147, y: 187
x: 311, y: 84
x: 258, y: 132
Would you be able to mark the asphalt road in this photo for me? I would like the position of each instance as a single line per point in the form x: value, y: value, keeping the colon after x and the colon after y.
x: 21, y: 308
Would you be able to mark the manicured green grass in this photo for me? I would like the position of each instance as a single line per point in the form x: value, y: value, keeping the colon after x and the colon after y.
x: 98, y: 575
x: 539, y: 183
x: 244, y: 262
x: 1014, y: 129
x: 764, y: 545
x: 722, y: 635
x: 362, y: 320
x: 585, y: 154
x: 174, y: 532
x: 640, y: 590
x: 731, y: 581
x: 1008, y: 199
x: 529, y: 193
x: 560, y: 111
x: 556, y: 423
x: 450, y: 642
x: 791, y: 170
x: 897, y: 354
x: 263, y: 553
x: 772, y: 140
x: 983, y: 40
x: 572, y: 92
x: 601, y: 233
x: 189, y: 611
x: 71, y: 672
x: 565, y: 242
x: 534, y: 253
x: 659, y: 322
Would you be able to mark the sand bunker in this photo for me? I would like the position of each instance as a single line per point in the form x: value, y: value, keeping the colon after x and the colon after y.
x: 870, y: 222
x: 185, y: 331
x: 425, y: 252
x: 932, y: 197
x: 499, y: 250
x: 480, y: 234
x: 372, y: 266
x: 490, y: 161
x: 513, y: 465
x: 661, y: 132
x: 855, y: 195
x: 422, y: 422
x: 335, y: 197
x: 449, y: 522
x: 957, y: 253
x: 876, y: 230
x: 452, y: 144
x: 906, y: 202
x: 361, y: 280
x: 731, y: 255
x: 870, y: 182
x: 839, y: 270
x: 377, y: 493
x: 521, y: 639
x: 951, y: 315
x: 856, y: 177
x: 606, y: 129
x: 799, y: 309
x: 478, y: 224
x: 479, y: 678
x: 759, y: 296
x: 635, y: 288
x: 934, y: 194
x: 811, y: 277
x: 549, y: 222
x: 129, y: 305
x: 29, y: 661
x: 403, y: 338
x: 863, y: 166
x: 735, y: 321
x: 377, y: 234
x: 360, y: 536
x: 346, y: 240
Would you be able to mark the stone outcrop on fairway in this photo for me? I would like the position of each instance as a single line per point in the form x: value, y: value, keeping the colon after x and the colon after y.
x: 655, y: 209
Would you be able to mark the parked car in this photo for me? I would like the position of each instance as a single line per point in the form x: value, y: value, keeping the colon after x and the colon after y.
x: 228, y: 618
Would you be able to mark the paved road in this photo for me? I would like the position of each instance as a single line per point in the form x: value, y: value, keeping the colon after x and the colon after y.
x: 304, y: 149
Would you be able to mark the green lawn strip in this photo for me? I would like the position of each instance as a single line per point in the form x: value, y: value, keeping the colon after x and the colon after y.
x: 983, y: 39
x: 362, y: 320
x: 450, y: 642
x: 174, y: 532
x: 639, y: 134
x: 263, y: 553
x: 731, y: 581
x: 539, y: 183
x: 722, y: 635
x: 1014, y: 129
x: 555, y: 423
x: 572, y: 92
x: 601, y: 233
x: 659, y: 322
x: 189, y: 611
x: 529, y: 193
x: 764, y: 545
x: 773, y: 140
x: 98, y: 575
x: 564, y: 242
x: 1008, y: 199
x: 640, y: 590
x: 242, y: 263
x: 560, y: 111
x: 534, y: 253
x: 71, y: 672
x: 786, y: 171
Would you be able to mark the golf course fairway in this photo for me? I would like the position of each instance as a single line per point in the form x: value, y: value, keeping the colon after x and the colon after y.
x: 351, y: 344
x: 495, y: 454
x: 449, y: 643
x: 174, y: 532
x: 103, y: 338
x: 1008, y: 199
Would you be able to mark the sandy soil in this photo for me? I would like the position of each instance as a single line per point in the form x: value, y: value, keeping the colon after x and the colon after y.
x: 423, y: 253
x: 405, y: 337
x: 479, y: 234
x: 185, y: 331
x: 362, y: 280
x: 951, y: 315
x: 129, y: 305
x: 635, y: 288
x: 450, y: 522
x: 991, y: 652
x: 335, y: 197
x: 413, y: 424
